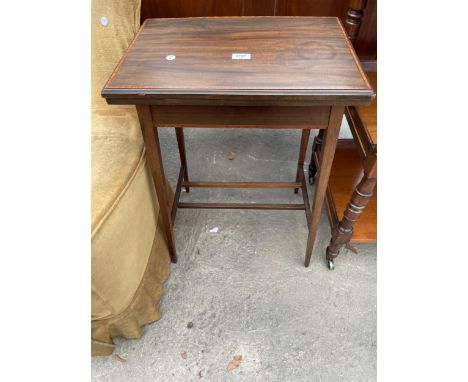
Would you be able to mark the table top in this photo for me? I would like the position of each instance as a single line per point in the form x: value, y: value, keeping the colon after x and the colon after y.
x: 289, y: 60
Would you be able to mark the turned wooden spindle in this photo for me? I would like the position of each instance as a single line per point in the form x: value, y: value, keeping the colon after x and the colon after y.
x: 353, y: 21
x: 342, y: 232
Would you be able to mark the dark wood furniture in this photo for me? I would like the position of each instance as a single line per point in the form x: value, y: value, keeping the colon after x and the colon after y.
x: 347, y: 172
x: 365, y: 44
x: 354, y: 171
x: 240, y: 72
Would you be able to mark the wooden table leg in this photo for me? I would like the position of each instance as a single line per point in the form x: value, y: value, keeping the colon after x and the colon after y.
x: 302, y: 152
x: 183, y: 160
x: 327, y: 153
x: 343, y: 231
x: 153, y: 156
x: 315, y: 148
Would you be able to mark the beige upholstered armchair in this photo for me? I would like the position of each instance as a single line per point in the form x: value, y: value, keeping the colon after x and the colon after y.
x: 130, y: 260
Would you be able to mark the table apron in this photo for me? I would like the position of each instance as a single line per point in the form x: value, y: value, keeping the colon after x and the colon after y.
x: 285, y: 117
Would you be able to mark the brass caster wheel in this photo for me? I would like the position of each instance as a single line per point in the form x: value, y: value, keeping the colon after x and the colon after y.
x: 331, y: 265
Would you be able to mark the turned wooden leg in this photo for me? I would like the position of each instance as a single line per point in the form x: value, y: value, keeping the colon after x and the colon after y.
x: 327, y: 153
x: 302, y: 152
x: 343, y: 231
x: 183, y: 159
x: 353, y: 21
x: 154, y: 159
x: 316, y: 145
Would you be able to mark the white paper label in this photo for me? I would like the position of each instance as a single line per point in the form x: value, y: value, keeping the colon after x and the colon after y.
x: 241, y: 56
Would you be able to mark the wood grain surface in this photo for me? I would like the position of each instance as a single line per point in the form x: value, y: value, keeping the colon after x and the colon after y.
x: 301, y: 56
x: 366, y: 43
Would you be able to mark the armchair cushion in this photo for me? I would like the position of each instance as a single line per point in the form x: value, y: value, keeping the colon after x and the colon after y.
x: 130, y: 259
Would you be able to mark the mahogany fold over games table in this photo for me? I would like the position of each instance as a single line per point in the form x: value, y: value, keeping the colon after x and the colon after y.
x: 240, y: 72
